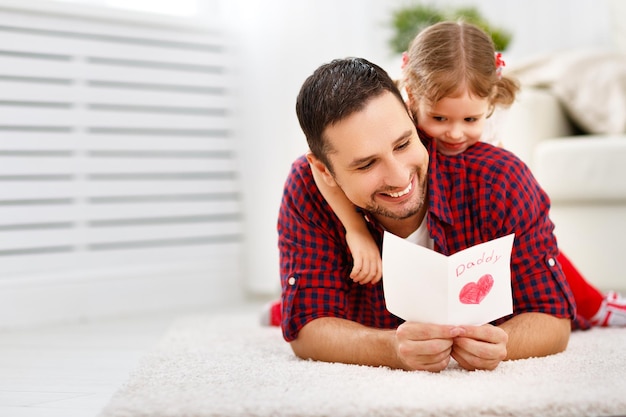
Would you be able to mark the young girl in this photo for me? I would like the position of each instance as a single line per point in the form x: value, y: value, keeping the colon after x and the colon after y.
x: 454, y: 83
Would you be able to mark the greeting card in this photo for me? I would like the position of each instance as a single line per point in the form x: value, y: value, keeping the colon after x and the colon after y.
x: 471, y: 287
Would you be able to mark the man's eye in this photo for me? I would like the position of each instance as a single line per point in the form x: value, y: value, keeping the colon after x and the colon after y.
x: 403, y: 145
x: 366, y: 166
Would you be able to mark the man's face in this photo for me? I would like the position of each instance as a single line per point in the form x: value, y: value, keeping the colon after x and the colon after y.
x: 379, y: 161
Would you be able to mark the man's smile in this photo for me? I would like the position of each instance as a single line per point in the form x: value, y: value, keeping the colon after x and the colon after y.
x: 401, y: 193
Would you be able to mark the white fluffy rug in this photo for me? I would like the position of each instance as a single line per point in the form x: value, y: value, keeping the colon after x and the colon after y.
x: 229, y: 365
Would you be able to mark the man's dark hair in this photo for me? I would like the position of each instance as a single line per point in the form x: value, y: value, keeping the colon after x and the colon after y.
x: 335, y: 91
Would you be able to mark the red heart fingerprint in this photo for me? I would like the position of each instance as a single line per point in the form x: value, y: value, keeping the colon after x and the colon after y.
x: 474, y: 292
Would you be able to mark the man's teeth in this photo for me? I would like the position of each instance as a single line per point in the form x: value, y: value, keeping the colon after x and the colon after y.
x: 403, y: 192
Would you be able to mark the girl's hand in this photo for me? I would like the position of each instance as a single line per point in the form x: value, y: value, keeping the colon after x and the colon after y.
x: 368, y: 266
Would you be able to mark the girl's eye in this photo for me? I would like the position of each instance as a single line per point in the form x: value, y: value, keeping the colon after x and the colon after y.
x: 439, y: 118
x: 471, y: 119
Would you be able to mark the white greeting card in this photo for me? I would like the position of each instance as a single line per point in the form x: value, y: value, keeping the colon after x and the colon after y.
x: 471, y: 287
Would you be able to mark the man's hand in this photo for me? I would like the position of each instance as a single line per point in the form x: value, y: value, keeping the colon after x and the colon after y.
x: 480, y: 347
x: 425, y: 347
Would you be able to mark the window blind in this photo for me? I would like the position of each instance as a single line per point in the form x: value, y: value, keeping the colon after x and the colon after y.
x: 116, y: 148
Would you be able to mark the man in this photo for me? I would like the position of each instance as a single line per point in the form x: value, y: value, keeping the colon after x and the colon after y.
x: 363, y: 139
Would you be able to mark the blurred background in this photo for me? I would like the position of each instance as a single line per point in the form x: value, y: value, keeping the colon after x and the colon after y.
x: 144, y: 144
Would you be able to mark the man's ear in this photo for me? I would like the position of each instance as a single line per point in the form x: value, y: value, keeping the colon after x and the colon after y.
x: 320, y: 171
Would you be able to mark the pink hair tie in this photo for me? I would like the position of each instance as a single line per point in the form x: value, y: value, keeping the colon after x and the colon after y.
x: 405, y: 60
x: 499, y: 64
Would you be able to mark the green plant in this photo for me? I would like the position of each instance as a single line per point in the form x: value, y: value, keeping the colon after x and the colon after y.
x: 409, y: 21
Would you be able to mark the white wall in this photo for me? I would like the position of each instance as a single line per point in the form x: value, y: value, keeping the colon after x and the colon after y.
x: 278, y: 43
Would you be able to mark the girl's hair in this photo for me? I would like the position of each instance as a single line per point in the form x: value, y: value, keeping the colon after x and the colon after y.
x: 449, y: 57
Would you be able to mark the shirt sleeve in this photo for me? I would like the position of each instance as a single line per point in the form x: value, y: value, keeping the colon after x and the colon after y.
x: 314, y: 259
x: 518, y: 204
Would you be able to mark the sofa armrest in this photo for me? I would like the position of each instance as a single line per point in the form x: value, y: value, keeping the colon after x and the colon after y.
x: 536, y: 115
x: 586, y: 169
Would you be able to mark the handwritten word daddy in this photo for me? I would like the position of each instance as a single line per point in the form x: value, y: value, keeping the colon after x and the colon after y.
x: 483, y: 259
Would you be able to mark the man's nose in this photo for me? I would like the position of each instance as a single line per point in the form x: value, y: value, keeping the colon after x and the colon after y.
x: 397, y: 175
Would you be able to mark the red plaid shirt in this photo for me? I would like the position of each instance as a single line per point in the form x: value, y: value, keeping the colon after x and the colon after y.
x: 479, y: 195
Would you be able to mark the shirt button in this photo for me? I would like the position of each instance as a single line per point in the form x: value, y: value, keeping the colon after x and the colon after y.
x: 291, y: 280
x: 551, y: 262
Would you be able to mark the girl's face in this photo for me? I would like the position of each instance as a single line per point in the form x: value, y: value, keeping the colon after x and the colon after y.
x: 456, y: 123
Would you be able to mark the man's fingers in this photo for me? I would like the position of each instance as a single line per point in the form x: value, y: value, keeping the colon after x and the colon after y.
x: 481, y: 347
x: 486, y: 333
x: 426, y: 331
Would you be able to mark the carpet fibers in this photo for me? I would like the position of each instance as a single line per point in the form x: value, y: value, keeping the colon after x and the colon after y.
x: 229, y: 365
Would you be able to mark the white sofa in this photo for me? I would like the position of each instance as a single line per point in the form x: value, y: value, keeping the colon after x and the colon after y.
x: 585, y: 177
